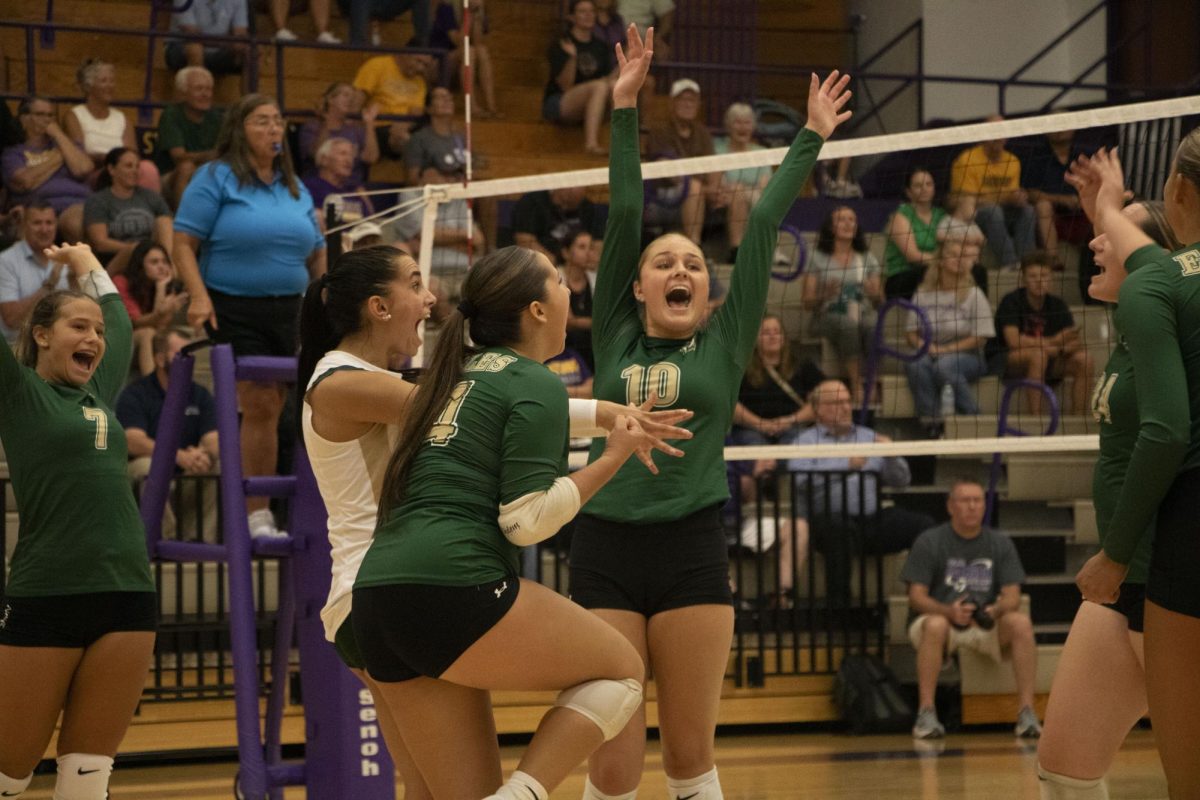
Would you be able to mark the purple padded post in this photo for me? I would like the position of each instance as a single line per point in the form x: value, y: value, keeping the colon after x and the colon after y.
x: 344, y: 749
x: 1003, y: 429
x: 162, y: 461
x: 880, y: 348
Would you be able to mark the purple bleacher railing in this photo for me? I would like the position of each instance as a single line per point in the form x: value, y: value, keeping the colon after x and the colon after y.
x: 879, y: 347
x: 343, y: 756
x: 1003, y: 429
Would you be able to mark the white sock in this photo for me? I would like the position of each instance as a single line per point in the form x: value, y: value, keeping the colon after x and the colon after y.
x: 701, y: 787
x: 590, y: 792
x: 1053, y: 786
x: 521, y: 786
x: 82, y: 776
x: 11, y: 787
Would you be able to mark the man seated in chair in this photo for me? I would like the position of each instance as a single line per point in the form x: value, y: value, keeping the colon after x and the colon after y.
x: 843, y: 512
x: 964, y: 591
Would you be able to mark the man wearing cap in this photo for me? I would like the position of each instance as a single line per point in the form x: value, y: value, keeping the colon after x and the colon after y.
x: 685, y: 136
x: 364, y: 234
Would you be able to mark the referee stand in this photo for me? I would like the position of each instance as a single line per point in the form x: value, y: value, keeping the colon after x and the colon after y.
x: 344, y: 752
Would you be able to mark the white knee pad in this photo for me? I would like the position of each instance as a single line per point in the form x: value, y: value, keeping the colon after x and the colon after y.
x: 701, y: 787
x: 11, y: 787
x: 607, y: 703
x: 590, y: 792
x: 82, y: 776
x: 1053, y: 786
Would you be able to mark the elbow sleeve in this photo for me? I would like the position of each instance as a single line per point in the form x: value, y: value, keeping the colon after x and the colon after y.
x: 537, y: 516
x: 96, y: 284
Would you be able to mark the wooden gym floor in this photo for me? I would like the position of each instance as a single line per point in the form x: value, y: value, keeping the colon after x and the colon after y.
x: 768, y: 767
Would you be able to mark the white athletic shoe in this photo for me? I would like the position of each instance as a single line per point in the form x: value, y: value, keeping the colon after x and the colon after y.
x: 262, y: 525
x: 285, y: 35
x: 328, y: 38
x: 1027, y: 726
x: 927, y: 725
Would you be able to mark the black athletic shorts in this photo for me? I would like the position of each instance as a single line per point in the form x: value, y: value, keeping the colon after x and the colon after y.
x: 346, y: 645
x: 74, y: 620
x: 257, y: 326
x: 653, y: 567
x: 406, y: 630
x: 1174, y: 581
x: 1131, y: 604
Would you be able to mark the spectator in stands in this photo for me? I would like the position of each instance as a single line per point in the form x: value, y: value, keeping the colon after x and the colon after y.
x: 541, y: 220
x: 139, y: 409
x: 645, y: 13
x: 686, y: 136
x: 960, y: 323
x: 26, y: 275
x: 340, y: 101
x: 964, y: 591
x: 438, y: 144
x: 576, y: 375
x: 1038, y: 340
x: 120, y: 213
x: 842, y: 511
x: 395, y: 84
x: 153, y: 297
x: 447, y: 34
x: 364, y: 234
x: 912, y: 235
x: 985, y: 186
x: 335, y: 176
x: 610, y: 26
x: 1055, y: 201
x: 842, y: 287
x: 187, y: 132
x: 772, y: 401
x: 740, y: 188
x: 580, y: 279
x: 320, y: 14
x: 581, y: 75
x: 250, y: 188
x: 212, y: 18
x: 362, y: 12
x: 99, y: 126
x: 47, y: 165
x: 454, y: 232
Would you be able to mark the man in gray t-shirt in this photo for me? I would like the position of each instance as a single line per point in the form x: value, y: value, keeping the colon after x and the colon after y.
x: 964, y: 589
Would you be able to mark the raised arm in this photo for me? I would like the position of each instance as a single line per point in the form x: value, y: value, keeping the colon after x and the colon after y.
x: 613, y: 300
x: 737, y: 321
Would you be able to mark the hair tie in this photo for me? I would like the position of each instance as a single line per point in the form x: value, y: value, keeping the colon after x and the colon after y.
x: 467, y: 309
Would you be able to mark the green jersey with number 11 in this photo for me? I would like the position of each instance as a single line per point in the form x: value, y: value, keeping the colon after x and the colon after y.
x: 702, y: 373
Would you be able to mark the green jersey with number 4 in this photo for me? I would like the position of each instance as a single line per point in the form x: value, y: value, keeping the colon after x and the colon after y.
x: 80, y: 530
x: 702, y: 373
x: 503, y: 435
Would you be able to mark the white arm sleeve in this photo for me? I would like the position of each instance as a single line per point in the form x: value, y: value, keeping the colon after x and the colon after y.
x: 583, y: 418
x: 96, y: 284
x: 537, y: 516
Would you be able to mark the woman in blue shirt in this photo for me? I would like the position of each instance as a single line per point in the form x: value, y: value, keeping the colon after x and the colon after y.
x: 247, y: 243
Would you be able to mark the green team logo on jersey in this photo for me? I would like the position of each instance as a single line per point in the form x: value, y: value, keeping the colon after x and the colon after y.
x: 1189, y: 263
x: 490, y: 362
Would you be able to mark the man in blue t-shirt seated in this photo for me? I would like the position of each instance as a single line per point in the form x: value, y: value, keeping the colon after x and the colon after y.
x: 1037, y: 339
x: 139, y: 410
x: 964, y: 591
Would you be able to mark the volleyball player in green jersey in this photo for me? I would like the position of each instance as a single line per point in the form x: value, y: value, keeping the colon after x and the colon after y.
x: 650, y: 557
x: 77, y: 618
x: 1091, y: 710
x: 1159, y: 315
x: 439, y: 613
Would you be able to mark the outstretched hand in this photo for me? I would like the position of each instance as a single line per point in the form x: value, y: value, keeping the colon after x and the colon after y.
x: 1086, y: 182
x: 79, y: 257
x: 825, y: 102
x: 633, y: 63
x: 658, y: 426
x: 1088, y: 174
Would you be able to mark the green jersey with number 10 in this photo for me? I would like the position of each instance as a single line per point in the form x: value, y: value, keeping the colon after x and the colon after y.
x: 702, y: 373
x: 80, y: 530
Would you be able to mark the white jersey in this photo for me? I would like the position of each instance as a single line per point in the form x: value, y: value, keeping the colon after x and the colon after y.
x: 350, y: 476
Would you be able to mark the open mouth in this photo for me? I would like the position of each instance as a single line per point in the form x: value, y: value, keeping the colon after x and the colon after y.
x: 83, y: 359
x: 679, y: 298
